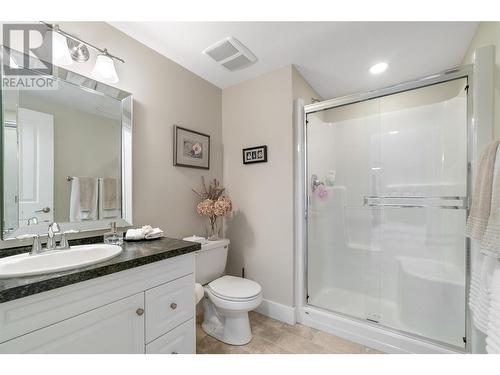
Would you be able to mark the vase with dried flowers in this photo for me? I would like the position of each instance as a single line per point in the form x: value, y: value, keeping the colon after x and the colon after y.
x: 213, y: 204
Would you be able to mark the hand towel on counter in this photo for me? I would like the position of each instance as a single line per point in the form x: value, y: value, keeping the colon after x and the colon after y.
x: 490, y: 244
x: 481, y: 196
x: 83, y: 199
x: 109, y: 198
x: 195, y: 238
x: 147, y: 232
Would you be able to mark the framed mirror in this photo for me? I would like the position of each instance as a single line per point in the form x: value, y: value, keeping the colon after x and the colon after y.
x: 66, y: 155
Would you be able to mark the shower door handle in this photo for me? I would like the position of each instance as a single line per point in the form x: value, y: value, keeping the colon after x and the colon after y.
x: 445, y: 202
x: 315, y: 182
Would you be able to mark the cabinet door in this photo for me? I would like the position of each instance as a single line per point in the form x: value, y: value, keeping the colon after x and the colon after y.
x: 180, y: 340
x: 114, y: 328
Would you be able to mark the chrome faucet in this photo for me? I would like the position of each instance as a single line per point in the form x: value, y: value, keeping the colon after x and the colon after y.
x: 51, y: 236
x: 36, y: 248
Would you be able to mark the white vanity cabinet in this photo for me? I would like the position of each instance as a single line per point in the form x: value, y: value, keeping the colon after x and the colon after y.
x: 148, y: 309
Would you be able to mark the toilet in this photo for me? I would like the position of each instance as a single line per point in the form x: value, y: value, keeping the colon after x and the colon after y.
x: 226, y: 299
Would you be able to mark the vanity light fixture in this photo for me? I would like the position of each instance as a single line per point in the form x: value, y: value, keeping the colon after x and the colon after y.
x: 379, y: 68
x: 68, y: 48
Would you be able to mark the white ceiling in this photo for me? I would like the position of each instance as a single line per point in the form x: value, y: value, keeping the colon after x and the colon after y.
x: 333, y: 57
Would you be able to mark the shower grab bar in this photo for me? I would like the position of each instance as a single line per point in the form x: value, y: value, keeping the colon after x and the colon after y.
x: 463, y: 205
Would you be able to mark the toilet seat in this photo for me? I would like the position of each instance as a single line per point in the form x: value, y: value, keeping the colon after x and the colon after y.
x: 238, y: 289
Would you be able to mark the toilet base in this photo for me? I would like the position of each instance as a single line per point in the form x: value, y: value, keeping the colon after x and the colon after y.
x: 230, y: 327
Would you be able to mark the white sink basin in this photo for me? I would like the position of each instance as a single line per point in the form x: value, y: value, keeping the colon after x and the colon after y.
x: 56, y: 260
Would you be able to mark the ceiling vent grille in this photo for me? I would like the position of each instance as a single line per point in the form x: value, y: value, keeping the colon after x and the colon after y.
x: 231, y: 54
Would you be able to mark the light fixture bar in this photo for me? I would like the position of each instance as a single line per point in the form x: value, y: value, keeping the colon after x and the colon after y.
x: 104, y: 51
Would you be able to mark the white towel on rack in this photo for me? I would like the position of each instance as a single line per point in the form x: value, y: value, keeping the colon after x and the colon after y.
x: 109, y: 208
x: 83, y: 199
x: 475, y: 281
x: 493, y: 329
x: 482, y: 303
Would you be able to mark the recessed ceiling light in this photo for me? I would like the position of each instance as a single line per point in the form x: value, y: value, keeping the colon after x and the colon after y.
x: 378, y: 68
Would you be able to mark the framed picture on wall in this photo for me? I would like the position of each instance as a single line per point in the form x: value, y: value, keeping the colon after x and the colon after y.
x: 255, y: 155
x: 191, y: 148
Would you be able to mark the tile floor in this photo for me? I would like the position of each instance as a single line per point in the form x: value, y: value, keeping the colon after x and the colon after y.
x: 274, y: 337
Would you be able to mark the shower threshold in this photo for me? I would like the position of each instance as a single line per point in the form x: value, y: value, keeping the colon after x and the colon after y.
x: 331, y: 306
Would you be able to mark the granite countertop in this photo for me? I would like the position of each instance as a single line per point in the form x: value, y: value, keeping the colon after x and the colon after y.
x: 134, y: 254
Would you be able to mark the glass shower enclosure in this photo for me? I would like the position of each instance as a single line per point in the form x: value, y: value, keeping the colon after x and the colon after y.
x: 387, y: 187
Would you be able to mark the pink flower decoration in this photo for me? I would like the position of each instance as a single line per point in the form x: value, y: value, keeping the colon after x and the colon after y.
x: 322, y: 192
x: 205, y: 207
x: 223, y: 206
x: 196, y: 148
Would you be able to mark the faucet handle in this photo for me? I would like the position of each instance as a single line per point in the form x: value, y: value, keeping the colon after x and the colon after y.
x: 36, y: 247
x: 53, y: 229
x: 63, y: 244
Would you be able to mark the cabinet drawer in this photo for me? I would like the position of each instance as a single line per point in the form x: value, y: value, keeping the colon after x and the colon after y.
x: 180, y: 340
x: 169, y: 305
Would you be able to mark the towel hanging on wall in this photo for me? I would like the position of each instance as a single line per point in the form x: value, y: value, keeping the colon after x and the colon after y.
x: 481, y: 197
x: 83, y: 199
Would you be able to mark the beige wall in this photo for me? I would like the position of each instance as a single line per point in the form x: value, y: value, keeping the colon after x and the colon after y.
x: 259, y: 112
x: 489, y: 33
x: 164, y: 94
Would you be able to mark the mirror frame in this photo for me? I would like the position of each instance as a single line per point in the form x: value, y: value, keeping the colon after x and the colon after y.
x: 61, y: 75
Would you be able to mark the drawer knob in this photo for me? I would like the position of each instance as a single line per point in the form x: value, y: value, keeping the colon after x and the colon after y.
x: 139, y: 311
x: 173, y: 305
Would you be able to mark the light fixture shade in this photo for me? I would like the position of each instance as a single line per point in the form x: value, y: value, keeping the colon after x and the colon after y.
x: 60, y: 52
x: 105, y: 70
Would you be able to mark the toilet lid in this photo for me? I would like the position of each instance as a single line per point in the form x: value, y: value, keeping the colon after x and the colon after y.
x: 231, y: 287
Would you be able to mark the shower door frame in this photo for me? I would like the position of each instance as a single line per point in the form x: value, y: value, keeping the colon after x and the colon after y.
x: 302, y: 189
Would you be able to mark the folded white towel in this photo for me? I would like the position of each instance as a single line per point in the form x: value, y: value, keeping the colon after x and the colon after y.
x: 195, y: 238
x: 146, y: 232
x: 155, y: 233
x: 134, y: 234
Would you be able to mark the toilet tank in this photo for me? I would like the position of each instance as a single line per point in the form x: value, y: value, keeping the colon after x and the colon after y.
x: 211, y: 261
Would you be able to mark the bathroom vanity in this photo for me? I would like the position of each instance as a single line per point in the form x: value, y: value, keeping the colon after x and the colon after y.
x: 66, y: 165
x: 141, y: 301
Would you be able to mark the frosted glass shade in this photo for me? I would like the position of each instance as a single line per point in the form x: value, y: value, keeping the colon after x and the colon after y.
x: 104, y: 69
x: 60, y: 52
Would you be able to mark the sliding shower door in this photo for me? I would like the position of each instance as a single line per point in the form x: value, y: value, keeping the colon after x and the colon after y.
x: 387, y: 196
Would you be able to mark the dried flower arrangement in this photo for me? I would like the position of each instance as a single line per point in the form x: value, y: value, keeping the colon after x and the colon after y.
x: 213, y: 204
